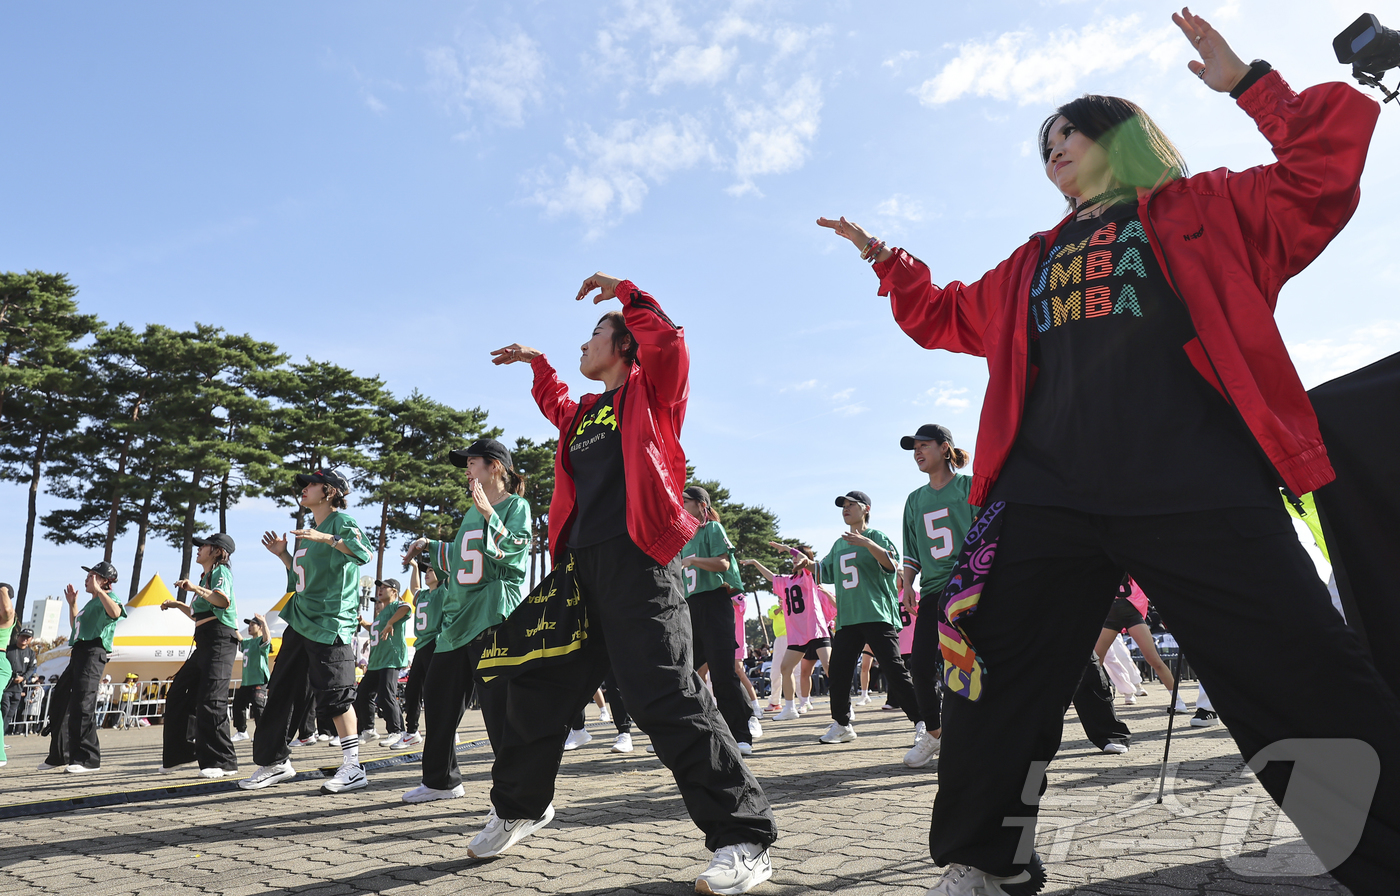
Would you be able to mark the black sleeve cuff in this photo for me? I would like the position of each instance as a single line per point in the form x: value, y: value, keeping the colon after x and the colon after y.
x: 1257, y: 69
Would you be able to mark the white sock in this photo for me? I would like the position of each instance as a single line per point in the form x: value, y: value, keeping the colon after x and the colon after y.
x: 790, y: 704
x: 351, y: 753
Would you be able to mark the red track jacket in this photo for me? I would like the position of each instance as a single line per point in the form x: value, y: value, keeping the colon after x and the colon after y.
x: 1227, y: 242
x: 650, y: 411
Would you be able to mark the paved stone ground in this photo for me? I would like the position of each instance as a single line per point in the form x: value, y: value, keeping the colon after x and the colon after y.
x: 853, y: 820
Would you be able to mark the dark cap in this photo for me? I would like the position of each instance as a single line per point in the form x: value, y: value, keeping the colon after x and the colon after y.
x: 696, y: 493
x: 326, y: 477
x: 102, y: 570
x: 929, y: 432
x: 390, y: 583
x: 26, y: 633
x: 218, y: 540
x: 862, y: 497
x: 487, y: 448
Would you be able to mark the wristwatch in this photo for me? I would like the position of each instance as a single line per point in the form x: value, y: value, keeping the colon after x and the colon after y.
x: 335, y: 541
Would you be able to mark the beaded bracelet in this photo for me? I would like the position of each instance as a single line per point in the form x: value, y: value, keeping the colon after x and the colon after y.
x: 872, y: 250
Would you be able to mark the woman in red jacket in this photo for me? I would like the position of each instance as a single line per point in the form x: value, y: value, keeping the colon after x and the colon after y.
x: 617, y: 509
x: 1141, y: 414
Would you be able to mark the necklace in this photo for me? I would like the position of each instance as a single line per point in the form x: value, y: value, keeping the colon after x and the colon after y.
x: 1105, y: 196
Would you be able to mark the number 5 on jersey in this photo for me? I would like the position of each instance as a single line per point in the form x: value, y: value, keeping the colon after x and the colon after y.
x: 942, y: 537
x: 476, y: 563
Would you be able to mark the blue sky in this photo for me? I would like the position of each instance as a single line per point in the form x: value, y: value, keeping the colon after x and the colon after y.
x: 400, y: 188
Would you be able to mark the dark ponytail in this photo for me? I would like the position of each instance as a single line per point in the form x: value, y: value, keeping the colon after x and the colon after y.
x: 956, y: 458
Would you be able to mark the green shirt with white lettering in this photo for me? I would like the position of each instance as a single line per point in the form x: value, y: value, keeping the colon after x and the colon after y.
x: 219, y: 579
x: 427, y: 616
x: 95, y: 625
x: 482, y: 570
x: 388, y: 651
x: 255, y: 652
x: 710, y: 541
x: 935, y: 523
x: 326, y: 605
x: 865, y: 591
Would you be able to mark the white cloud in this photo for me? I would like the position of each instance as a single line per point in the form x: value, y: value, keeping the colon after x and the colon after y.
x: 375, y: 105
x: 800, y: 387
x: 1016, y: 65
x: 1319, y: 360
x: 843, y: 394
x: 944, y: 394
x: 850, y: 410
x: 503, y: 76
x: 773, y: 138
x: 901, y: 207
x: 692, y: 65
x: 613, y: 176
x: 900, y: 58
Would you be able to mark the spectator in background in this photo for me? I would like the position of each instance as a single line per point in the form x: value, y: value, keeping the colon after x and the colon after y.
x: 23, y: 662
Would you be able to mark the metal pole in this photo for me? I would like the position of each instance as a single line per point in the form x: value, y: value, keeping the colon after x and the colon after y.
x: 1171, y: 717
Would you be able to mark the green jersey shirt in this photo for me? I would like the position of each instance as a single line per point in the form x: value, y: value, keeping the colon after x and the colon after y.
x: 865, y: 592
x: 255, y: 652
x: 427, y: 616
x: 219, y: 579
x: 388, y: 651
x: 326, y: 605
x: 95, y: 625
x: 482, y: 571
x: 710, y: 540
x: 935, y: 523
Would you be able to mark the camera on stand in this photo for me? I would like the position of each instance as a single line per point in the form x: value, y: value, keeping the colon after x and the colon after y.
x: 1371, y: 49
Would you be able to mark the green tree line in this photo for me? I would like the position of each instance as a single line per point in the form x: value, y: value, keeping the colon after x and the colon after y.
x: 152, y: 431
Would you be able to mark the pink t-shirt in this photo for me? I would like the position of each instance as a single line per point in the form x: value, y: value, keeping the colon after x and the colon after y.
x: 906, y: 634
x: 807, y: 608
x: 741, y: 648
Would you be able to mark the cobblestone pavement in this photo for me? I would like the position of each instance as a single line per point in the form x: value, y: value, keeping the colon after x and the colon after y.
x: 852, y: 819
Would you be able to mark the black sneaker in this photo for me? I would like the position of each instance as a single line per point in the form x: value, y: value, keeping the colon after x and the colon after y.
x: 1204, y: 718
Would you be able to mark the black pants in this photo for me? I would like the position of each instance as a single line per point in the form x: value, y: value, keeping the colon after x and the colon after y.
x: 926, y: 662
x: 304, y: 670
x: 73, y: 708
x: 413, y: 691
x: 10, y: 704
x: 379, y: 686
x: 712, y: 625
x: 1213, y: 575
x: 617, y: 709
x: 314, y: 719
x: 249, y: 697
x: 449, y: 687
x: 196, y: 706
x: 1093, y: 701
x: 846, y: 644
x: 638, y: 622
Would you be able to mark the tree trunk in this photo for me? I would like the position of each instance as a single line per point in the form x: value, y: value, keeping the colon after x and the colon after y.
x: 383, y: 537
x: 36, y: 468
x: 187, y: 532
x: 223, y: 501
x: 142, y: 528
x: 117, y: 481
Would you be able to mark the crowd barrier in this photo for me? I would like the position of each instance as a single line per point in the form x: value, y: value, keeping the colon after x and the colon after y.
x: 118, y: 705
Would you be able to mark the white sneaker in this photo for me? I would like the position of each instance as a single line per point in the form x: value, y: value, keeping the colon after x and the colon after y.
x: 920, y: 729
x: 757, y: 709
x: 239, y: 737
x: 623, y: 743
x: 735, y: 869
x: 302, y: 742
x: 838, y: 734
x: 268, y: 774
x: 805, y: 706
x: 788, y: 714
x: 604, y: 715
x: 1130, y: 700
x: 213, y: 773
x: 964, y: 880
x: 334, y: 742
x: 407, y: 742
x: 501, y: 834
x: 425, y: 794
x: 755, y: 728
x: 1112, y: 747
x: 44, y: 767
x: 171, y: 769
x: 347, y: 777
x: 76, y: 769
x: 369, y: 735
x: 323, y: 738
x: 862, y: 700
x: 390, y: 739
x: 575, y: 740
x: 925, y: 748
x: 745, y: 748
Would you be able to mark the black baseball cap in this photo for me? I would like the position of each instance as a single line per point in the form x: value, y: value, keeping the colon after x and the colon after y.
x: 217, y: 540
x: 487, y: 448
x: 862, y: 497
x: 390, y: 583
x: 929, y: 432
x: 696, y: 493
x: 102, y: 570
x: 326, y: 477
x: 26, y: 633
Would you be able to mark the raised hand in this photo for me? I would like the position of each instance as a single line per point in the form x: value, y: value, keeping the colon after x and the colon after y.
x: 1218, y: 67
x: 514, y: 352
x: 70, y: 594
x: 181, y: 585
x: 275, y: 543
x: 483, y: 505
x: 853, y: 232
x: 599, y: 281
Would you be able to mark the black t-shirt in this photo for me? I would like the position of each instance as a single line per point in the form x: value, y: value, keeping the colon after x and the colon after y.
x: 595, y: 456
x: 1118, y: 421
